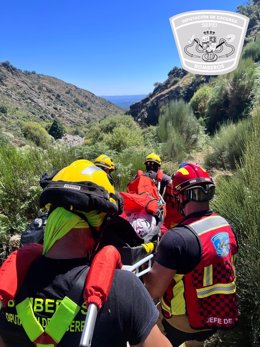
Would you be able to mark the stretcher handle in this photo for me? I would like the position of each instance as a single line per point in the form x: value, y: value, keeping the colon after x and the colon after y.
x: 87, y: 334
x: 97, y: 287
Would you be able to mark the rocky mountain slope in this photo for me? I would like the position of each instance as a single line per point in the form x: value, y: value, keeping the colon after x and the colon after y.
x: 28, y: 96
x: 179, y: 84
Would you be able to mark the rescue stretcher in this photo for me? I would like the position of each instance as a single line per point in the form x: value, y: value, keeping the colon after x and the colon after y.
x: 139, y: 266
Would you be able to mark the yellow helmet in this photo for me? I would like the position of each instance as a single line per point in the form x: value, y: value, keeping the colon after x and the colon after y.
x: 80, y: 186
x: 152, y: 157
x: 104, y: 161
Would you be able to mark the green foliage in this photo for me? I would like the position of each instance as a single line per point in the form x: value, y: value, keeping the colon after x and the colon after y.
x: 252, y: 11
x: 187, y: 92
x: 238, y: 199
x: 57, y: 129
x: 150, y: 136
x: 108, y: 124
x: 18, y: 187
x: 127, y: 163
x: 3, y: 109
x: 123, y: 137
x: 256, y: 91
x: 252, y: 50
x: 19, y: 183
x: 37, y: 134
x: 231, y: 97
x: 228, y: 145
x: 178, y: 130
x: 116, y: 132
x: 91, y: 152
x: 199, y: 101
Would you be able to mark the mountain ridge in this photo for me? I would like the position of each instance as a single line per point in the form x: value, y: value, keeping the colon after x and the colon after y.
x: 28, y: 96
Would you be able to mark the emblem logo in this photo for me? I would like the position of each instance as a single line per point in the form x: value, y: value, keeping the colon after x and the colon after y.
x: 221, y: 244
x: 209, y: 42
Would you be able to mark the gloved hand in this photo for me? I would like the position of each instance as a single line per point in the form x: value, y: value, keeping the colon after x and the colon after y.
x: 120, y: 203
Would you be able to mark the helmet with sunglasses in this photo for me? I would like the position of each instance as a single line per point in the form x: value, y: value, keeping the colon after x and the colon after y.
x: 81, y: 186
x: 194, y: 183
x: 104, y: 162
x: 153, y: 158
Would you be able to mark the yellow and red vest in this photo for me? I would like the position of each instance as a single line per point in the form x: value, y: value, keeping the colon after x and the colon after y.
x: 207, y: 295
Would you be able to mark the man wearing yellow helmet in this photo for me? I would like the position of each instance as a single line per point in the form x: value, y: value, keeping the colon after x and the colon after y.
x: 105, y: 163
x: 49, y: 309
x: 153, y: 163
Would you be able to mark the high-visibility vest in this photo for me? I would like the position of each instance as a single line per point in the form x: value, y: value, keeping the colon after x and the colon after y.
x: 59, y: 322
x: 208, y: 293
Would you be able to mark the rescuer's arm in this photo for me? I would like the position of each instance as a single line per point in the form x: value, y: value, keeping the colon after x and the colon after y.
x: 158, y: 280
x: 178, y: 252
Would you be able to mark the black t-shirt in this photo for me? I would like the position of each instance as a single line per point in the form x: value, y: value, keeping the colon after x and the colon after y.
x: 179, y: 249
x: 128, y: 315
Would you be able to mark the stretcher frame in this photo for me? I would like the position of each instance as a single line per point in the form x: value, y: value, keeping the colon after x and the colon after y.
x: 139, y: 270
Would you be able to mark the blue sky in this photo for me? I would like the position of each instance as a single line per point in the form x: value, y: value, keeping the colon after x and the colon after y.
x: 116, y: 47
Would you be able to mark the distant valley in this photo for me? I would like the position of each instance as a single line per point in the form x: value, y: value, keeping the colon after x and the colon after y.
x: 124, y: 101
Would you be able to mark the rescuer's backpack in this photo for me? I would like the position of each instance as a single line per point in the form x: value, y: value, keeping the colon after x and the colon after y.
x: 35, y: 231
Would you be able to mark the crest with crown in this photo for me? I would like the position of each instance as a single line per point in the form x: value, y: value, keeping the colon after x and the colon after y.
x: 209, y: 36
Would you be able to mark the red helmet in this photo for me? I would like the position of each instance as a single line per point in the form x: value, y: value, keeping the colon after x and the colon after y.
x: 194, y: 182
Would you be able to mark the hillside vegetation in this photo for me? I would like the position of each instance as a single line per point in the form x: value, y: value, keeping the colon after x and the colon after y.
x: 30, y: 97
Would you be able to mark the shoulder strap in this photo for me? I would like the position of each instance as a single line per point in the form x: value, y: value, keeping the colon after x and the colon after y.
x: 59, y: 322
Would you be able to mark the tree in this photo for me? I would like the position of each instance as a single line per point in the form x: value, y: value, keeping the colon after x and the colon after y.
x: 57, y: 129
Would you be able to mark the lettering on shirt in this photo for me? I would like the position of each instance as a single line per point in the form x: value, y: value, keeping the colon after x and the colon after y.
x: 48, y: 306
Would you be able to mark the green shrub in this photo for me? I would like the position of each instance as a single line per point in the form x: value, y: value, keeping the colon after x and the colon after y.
x: 108, y: 124
x: 19, y: 182
x: 178, y: 130
x: 200, y: 99
x: 252, y: 50
x: 228, y: 144
x: 150, y: 136
x: 3, y: 109
x: 91, y: 152
x: 256, y: 91
x: 115, y: 132
x: 231, y: 97
x: 38, y: 135
x: 18, y: 187
x: 57, y: 129
x: 238, y: 199
x: 127, y: 163
x: 124, y: 137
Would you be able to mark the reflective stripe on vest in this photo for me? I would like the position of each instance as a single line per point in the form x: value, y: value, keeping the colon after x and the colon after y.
x: 220, y: 288
x: 210, y: 223
x: 178, y: 305
x: 56, y: 327
x: 208, y: 275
